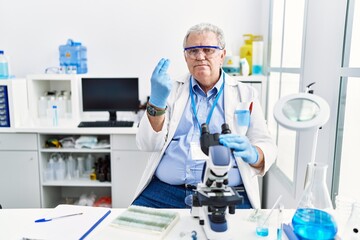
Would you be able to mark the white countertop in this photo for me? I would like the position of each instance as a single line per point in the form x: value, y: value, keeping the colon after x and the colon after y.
x: 69, y: 128
x: 17, y: 223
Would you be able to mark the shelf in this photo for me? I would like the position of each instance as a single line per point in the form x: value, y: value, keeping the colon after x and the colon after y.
x: 39, y: 84
x: 76, y: 150
x: 77, y: 183
x: 251, y: 78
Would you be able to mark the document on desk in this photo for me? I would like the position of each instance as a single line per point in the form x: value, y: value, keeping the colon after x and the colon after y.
x: 66, y: 222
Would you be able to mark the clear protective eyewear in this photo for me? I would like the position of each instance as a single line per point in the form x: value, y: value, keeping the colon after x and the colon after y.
x: 208, y: 51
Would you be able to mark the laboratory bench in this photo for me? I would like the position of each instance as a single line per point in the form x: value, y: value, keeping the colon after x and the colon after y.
x: 19, y: 223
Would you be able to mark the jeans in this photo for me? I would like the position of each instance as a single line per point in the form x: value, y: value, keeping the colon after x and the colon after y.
x: 159, y: 194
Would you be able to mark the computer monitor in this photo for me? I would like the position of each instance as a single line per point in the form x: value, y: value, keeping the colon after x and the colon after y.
x: 110, y: 94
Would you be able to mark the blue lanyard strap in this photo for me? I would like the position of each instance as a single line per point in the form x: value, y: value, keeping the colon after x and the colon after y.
x: 193, y: 105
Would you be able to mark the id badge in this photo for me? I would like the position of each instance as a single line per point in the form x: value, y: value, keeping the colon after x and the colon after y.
x: 196, y: 152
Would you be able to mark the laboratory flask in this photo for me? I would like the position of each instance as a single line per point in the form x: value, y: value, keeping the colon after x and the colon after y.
x: 313, y: 218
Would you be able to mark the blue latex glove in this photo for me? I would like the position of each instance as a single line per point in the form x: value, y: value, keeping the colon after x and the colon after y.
x: 241, y: 147
x: 160, y: 84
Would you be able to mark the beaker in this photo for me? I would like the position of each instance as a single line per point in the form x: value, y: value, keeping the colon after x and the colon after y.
x: 313, y: 218
x: 242, y: 117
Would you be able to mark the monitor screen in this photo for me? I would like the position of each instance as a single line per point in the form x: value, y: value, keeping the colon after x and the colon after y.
x: 110, y: 94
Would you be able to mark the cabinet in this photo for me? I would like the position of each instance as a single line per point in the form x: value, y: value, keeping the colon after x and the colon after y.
x: 19, y: 178
x: 69, y: 189
x: 128, y: 166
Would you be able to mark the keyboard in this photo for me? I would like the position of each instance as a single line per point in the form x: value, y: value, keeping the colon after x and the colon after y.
x: 106, y: 124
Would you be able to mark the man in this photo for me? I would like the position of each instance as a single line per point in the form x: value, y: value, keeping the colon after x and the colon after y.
x: 171, y: 127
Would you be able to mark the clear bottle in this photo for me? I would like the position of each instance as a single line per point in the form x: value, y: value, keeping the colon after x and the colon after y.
x: 42, y: 106
x: 89, y: 163
x: 50, y: 170
x: 352, y: 227
x: 313, y: 218
x: 71, y: 167
x: 4, y: 66
x: 80, y: 166
x: 244, y: 66
x: 60, y: 169
x: 258, y: 55
x: 62, y: 106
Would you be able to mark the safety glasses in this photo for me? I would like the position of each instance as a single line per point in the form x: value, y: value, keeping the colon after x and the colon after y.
x: 208, y: 51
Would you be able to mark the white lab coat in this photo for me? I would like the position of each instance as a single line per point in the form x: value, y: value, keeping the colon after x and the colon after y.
x: 234, y: 92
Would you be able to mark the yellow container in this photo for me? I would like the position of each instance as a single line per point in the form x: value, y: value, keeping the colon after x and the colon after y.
x: 246, y: 49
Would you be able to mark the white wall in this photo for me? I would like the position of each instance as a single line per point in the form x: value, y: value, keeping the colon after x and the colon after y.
x: 123, y: 38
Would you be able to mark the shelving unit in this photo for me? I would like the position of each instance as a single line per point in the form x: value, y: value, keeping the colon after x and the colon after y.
x: 41, y: 83
x: 55, y: 192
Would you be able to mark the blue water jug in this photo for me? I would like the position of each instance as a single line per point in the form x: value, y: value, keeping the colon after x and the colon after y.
x: 73, y: 54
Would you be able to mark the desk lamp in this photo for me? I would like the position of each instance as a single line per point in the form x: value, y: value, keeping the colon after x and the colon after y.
x: 308, y: 112
x: 303, y: 112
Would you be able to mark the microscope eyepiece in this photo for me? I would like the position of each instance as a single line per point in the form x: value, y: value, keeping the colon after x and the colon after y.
x: 204, y: 129
x: 225, y: 128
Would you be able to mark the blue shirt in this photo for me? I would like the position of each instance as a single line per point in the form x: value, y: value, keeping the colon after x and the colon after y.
x: 176, y: 166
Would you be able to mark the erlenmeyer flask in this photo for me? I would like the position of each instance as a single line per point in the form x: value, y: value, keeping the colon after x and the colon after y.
x: 313, y: 218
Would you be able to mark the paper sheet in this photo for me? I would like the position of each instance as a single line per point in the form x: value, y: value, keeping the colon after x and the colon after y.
x: 73, y: 227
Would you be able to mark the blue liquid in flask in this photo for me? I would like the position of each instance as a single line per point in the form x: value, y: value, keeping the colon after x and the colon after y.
x: 309, y: 223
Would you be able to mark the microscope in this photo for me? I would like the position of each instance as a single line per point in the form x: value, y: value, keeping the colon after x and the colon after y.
x: 213, y: 195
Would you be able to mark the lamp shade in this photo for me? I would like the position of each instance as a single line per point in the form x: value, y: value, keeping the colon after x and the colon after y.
x: 301, y: 111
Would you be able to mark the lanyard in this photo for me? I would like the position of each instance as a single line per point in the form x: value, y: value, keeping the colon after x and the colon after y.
x: 212, y: 107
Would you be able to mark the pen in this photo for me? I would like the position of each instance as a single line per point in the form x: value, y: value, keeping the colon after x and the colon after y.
x: 50, y: 219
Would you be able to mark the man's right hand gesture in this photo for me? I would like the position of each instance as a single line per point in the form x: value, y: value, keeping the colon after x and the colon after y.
x: 160, y: 84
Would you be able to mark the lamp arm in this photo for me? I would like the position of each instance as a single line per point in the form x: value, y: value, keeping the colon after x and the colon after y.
x: 313, y: 152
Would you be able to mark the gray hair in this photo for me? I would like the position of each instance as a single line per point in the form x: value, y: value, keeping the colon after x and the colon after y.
x: 207, y: 27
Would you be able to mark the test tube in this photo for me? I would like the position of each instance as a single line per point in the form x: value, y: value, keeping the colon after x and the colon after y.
x: 54, y: 115
x: 262, y: 230
x: 280, y: 222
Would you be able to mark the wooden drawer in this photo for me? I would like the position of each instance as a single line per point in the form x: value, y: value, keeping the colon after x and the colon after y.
x: 18, y: 141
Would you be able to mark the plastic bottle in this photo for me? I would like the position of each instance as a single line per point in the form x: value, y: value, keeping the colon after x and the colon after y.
x: 73, y: 56
x: 231, y: 65
x: 50, y: 170
x: 42, y: 106
x: 51, y: 101
x: 246, y: 50
x: 62, y: 106
x: 89, y: 163
x: 60, y: 169
x: 71, y: 167
x: 258, y: 55
x: 244, y: 66
x: 80, y: 166
x: 4, y: 66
